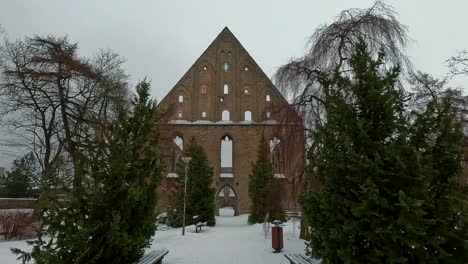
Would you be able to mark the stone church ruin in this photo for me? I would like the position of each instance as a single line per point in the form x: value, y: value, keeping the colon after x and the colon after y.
x: 228, y: 104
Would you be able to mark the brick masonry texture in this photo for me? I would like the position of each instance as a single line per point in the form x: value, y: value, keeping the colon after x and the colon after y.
x: 226, y: 78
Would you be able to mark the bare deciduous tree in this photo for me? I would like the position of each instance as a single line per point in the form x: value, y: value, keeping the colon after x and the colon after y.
x: 53, y: 97
x: 306, y: 79
x: 426, y: 88
x: 458, y: 65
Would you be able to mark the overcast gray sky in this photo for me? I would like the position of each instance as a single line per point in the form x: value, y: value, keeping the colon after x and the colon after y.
x: 161, y: 39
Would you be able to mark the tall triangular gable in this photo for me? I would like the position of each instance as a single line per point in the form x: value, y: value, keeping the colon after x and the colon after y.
x: 224, y: 78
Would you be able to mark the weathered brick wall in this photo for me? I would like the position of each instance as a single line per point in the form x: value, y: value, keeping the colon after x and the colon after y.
x: 2, y: 174
x: 245, y: 144
x: 18, y: 203
x: 195, y: 106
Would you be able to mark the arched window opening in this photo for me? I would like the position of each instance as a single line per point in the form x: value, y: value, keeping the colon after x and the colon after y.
x: 225, y: 115
x: 203, y: 114
x: 179, y: 142
x: 226, y: 155
x: 226, y: 89
x: 248, y: 116
x: 176, y: 154
x: 205, y: 68
x: 268, y: 98
x: 181, y: 98
x: 180, y: 114
x: 277, y: 158
x: 226, y: 67
x: 227, y: 201
x: 274, y: 143
x: 268, y: 114
x: 227, y: 191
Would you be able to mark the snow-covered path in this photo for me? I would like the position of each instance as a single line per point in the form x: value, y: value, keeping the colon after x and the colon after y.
x: 231, y: 241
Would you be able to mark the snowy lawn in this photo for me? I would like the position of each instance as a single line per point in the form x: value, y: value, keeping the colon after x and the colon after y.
x: 231, y: 241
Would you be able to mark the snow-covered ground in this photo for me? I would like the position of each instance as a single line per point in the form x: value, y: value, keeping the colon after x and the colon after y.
x: 231, y: 241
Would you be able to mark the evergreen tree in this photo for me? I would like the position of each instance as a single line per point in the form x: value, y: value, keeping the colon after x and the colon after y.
x: 21, y: 179
x: 200, y: 195
x: 440, y: 137
x: 176, y: 202
x: 377, y: 203
x: 110, y: 216
x: 264, y: 190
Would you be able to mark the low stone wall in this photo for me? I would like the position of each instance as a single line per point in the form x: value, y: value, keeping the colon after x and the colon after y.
x: 18, y: 203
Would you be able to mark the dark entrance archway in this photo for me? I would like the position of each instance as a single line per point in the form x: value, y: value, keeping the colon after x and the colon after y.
x: 227, y: 197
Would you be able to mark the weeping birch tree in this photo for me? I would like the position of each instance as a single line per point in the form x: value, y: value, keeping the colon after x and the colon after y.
x: 308, y: 78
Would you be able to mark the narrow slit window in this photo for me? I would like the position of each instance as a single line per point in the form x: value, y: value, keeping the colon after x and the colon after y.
x: 247, y: 116
x: 226, y: 67
x: 246, y: 89
x: 179, y: 142
x: 226, y: 152
x: 226, y: 89
x: 268, y: 98
x: 225, y: 115
x: 177, y: 148
x: 203, y: 88
x: 276, y: 156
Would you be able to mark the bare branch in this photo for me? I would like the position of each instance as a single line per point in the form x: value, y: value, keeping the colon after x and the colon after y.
x: 307, y: 79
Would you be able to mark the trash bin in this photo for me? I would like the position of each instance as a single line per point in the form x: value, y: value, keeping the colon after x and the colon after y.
x: 277, y: 236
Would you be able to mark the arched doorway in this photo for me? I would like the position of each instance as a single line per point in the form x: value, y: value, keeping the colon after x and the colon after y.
x: 227, y: 198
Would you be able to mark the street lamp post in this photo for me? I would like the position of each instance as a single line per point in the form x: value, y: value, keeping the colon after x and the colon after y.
x: 186, y: 161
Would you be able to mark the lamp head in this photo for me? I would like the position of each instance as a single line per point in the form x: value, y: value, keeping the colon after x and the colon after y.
x: 186, y: 160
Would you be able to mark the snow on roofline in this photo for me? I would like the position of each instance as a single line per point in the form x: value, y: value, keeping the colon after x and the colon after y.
x: 280, y: 176
x: 222, y: 122
x: 226, y: 175
x: 172, y: 175
x: 27, y: 199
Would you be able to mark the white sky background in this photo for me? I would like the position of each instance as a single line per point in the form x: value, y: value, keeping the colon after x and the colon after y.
x: 162, y: 39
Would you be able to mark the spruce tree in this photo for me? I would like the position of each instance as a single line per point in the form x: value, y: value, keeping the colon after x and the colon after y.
x: 200, y: 193
x: 200, y: 200
x: 440, y: 138
x: 264, y: 190
x: 176, y: 201
x: 377, y: 201
x: 110, y: 216
x: 21, y: 179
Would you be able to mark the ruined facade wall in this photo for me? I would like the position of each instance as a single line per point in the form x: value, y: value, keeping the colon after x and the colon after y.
x: 226, y: 79
x: 246, y: 139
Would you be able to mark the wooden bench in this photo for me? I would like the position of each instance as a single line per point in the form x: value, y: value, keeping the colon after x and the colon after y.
x: 154, y: 257
x: 199, y: 225
x: 299, y: 259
